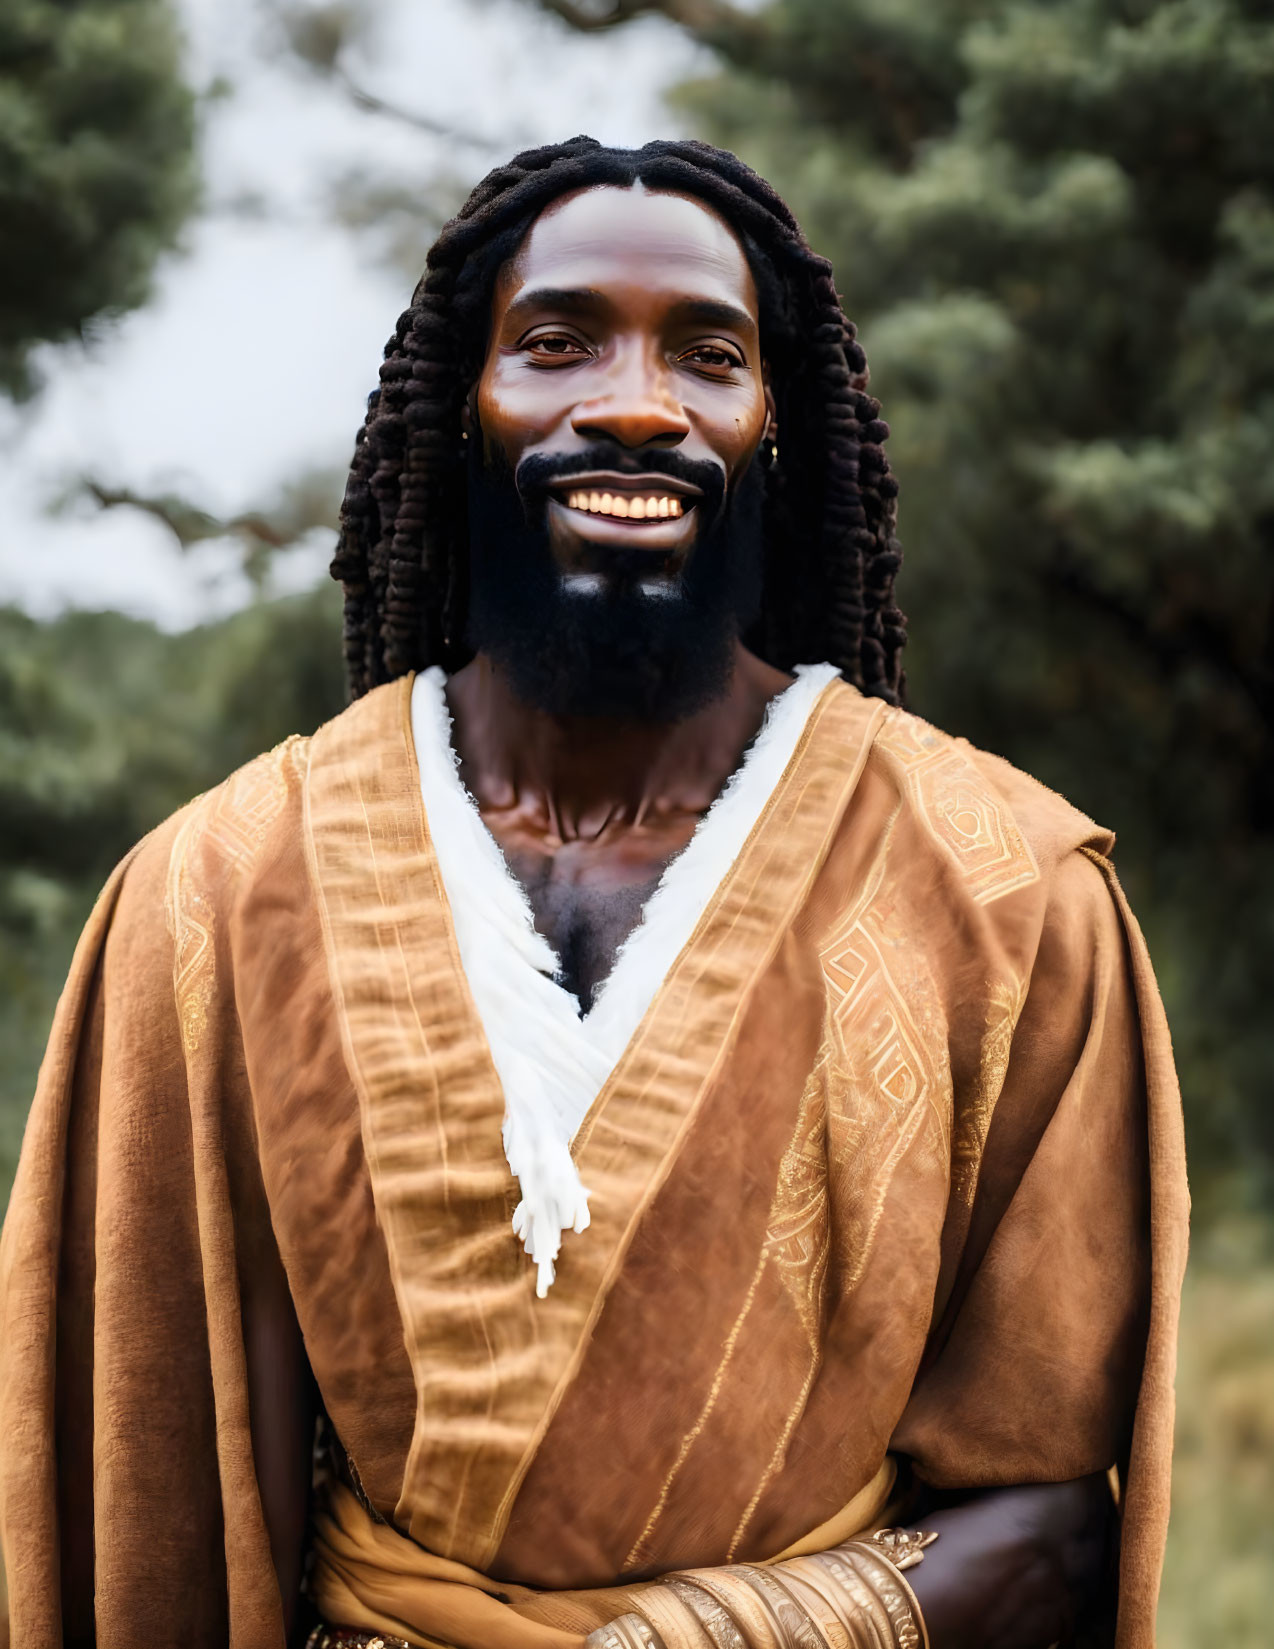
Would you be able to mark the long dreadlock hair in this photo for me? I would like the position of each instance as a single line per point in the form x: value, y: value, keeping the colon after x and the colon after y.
x: 831, y: 553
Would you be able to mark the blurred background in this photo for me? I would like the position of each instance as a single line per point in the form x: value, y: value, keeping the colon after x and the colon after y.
x: 1053, y: 221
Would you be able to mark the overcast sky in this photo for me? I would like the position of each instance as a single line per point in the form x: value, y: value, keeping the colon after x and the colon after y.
x: 255, y: 357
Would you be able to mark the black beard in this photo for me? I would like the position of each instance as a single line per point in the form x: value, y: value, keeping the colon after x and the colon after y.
x: 616, y: 649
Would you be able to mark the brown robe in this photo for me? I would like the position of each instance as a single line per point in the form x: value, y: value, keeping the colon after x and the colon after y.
x: 892, y: 1165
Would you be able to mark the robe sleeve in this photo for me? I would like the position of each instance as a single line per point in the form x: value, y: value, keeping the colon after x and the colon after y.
x: 1053, y: 1352
x: 138, y: 1283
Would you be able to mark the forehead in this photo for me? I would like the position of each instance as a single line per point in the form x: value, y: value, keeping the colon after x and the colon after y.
x: 613, y: 240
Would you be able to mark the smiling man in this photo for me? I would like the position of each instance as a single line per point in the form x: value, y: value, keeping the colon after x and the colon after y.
x: 697, y: 1141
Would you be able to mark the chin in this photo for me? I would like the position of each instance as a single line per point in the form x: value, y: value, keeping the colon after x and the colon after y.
x: 638, y: 654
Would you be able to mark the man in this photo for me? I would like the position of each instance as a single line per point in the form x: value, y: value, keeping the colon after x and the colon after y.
x: 667, y: 1112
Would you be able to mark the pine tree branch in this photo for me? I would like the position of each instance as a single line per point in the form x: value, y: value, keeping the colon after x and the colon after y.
x: 319, y: 38
x: 188, y: 524
x: 702, y: 18
x: 747, y: 40
x: 370, y: 103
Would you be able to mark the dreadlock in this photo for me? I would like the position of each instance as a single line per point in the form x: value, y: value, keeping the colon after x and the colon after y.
x: 831, y: 552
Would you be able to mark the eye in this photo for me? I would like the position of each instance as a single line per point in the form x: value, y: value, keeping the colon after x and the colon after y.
x: 554, y: 347
x: 714, y: 358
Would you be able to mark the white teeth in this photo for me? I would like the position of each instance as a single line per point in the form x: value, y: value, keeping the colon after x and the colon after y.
x: 624, y: 508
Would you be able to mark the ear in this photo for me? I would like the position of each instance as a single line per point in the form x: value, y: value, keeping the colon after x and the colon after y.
x: 771, y: 430
x: 469, y: 413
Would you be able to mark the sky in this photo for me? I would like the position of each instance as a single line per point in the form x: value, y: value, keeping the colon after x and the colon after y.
x: 253, y: 360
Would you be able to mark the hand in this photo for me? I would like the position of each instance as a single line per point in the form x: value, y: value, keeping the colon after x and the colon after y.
x: 1015, y: 1568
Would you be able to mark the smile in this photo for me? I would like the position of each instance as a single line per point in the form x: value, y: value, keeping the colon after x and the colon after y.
x: 652, y: 506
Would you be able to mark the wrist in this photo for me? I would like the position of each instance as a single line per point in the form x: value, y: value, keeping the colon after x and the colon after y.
x: 854, y: 1596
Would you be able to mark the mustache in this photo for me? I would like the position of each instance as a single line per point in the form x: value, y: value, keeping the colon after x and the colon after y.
x: 537, y: 472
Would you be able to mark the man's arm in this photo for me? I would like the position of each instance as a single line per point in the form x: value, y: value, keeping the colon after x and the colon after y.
x: 1019, y: 1568
x: 283, y: 1406
x: 1013, y: 1568
x: 1038, y: 1352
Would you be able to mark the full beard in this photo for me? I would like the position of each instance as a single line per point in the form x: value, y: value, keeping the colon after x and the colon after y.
x: 617, y: 645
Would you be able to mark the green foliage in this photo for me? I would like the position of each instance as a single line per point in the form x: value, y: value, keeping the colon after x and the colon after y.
x: 96, y: 173
x: 1054, y: 223
x: 1217, y: 1585
x: 107, y: 725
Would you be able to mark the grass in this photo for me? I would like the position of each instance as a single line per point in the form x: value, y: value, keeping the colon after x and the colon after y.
x: 1218, y: 1583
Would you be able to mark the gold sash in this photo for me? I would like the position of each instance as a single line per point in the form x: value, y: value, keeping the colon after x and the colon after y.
x: 367, y: 1574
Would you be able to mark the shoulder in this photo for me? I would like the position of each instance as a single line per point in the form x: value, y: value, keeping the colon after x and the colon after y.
x: 216, y: 843
x: 230, y: 824
x: 998, y: 827
x: 959, y: 841
x: 164, y: 919
x: 200, y: 856
x: 955, y: 855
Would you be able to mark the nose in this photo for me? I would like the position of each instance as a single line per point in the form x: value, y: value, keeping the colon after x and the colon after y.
x: 637, y: 406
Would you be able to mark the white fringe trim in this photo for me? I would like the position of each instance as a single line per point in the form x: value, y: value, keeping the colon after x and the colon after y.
x: 552, y: 1063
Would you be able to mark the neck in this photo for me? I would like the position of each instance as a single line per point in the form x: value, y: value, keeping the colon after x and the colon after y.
x: 578, y: 775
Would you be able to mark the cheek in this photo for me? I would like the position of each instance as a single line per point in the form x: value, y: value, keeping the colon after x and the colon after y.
x: 491, y: 408
x: 740, y: 435
x: 513, y: 409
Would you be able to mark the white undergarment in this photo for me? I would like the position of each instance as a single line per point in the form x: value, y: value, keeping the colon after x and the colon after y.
x: 551, y: 1060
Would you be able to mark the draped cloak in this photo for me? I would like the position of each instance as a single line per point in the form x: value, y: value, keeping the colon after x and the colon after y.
x: 892, y: 1168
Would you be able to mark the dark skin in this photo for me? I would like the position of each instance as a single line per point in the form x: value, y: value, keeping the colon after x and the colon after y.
x: 650, y: 340
x: 633, y: 316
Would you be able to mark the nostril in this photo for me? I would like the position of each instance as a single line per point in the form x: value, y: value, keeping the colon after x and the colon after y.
x: 634, y: 430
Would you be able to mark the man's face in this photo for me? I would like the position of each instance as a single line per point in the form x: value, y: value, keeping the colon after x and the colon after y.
x: 625, y: 328
x: 615, y: 506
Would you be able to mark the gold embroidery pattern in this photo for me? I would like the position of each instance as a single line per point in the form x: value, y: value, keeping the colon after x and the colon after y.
x: 226, y: 828
x: 959, y: 809
x: 191, y: 924
x: 880, y: 1077
x: 883, y: 1062
x: 1004, y: 999
x: 798, y: 1235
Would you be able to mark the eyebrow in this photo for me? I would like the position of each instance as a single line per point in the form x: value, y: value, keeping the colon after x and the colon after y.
x: 586, y: 299
x: 573, y: 299
x: 716, y: 312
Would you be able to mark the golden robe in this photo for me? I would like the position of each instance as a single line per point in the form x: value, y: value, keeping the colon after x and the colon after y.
x: 892, y: 1168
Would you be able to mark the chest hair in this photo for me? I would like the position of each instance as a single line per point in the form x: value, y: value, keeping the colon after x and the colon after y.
x: 586, y: 924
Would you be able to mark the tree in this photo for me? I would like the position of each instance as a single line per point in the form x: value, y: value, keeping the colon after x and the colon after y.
x: 96, y: 177
x: 1054, y: 222
x: 107, y: 725
x: 96, y: 165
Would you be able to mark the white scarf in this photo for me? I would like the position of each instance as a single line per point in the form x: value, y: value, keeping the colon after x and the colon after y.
x: 551, y: 1060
